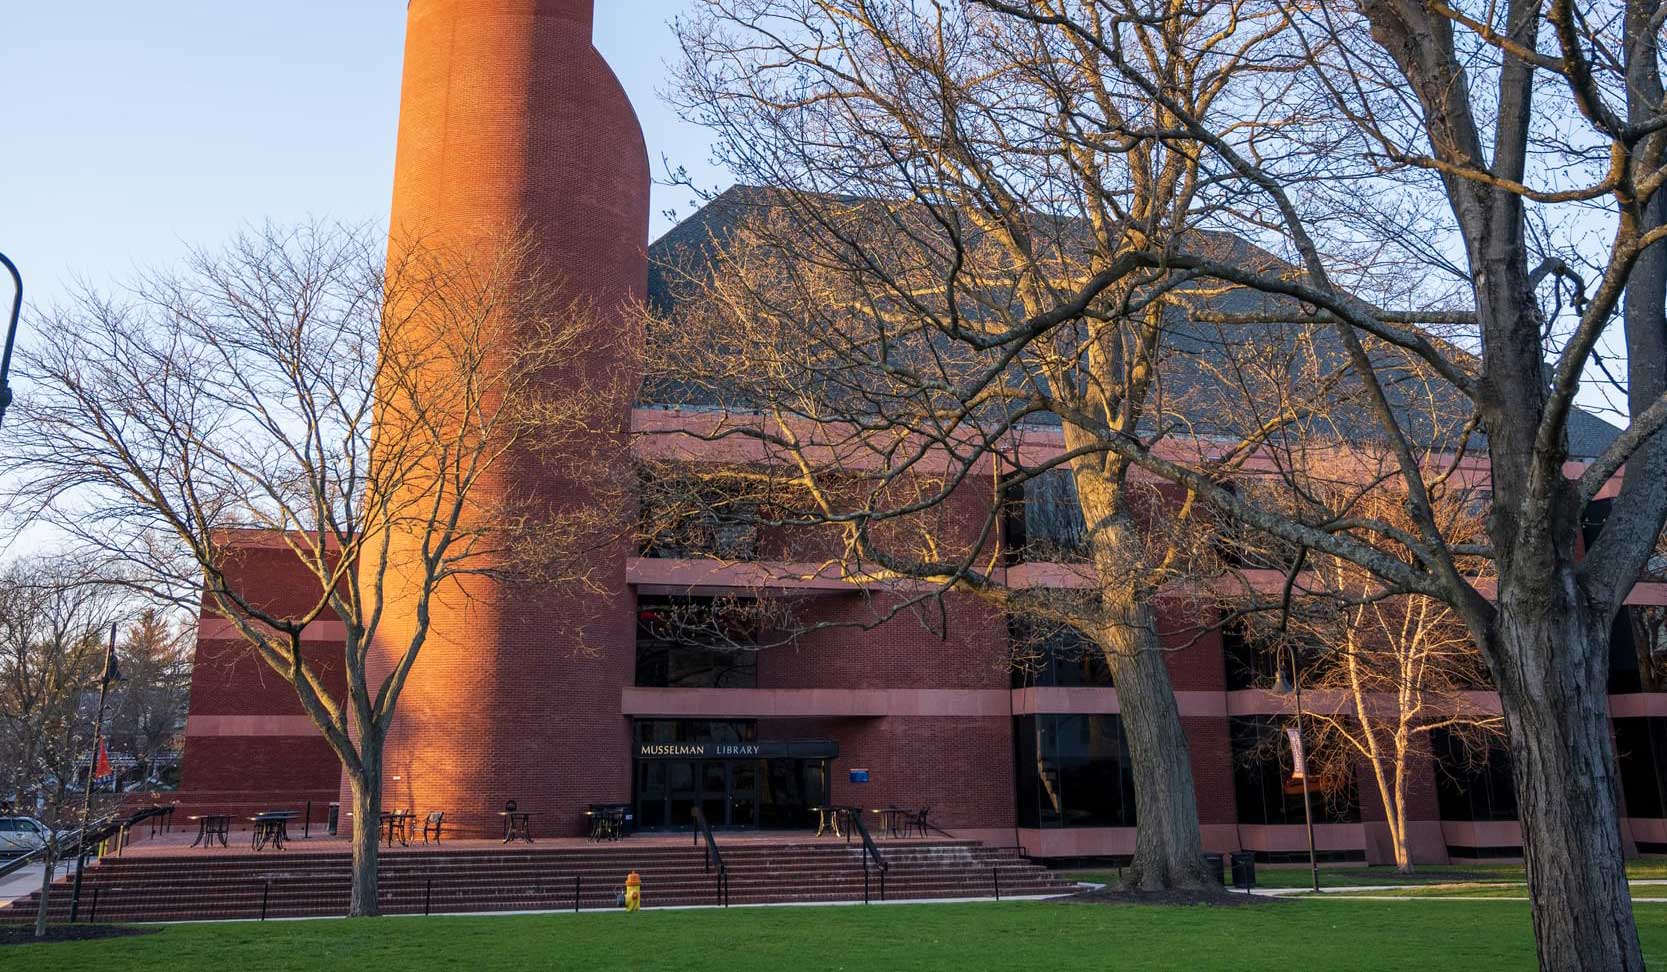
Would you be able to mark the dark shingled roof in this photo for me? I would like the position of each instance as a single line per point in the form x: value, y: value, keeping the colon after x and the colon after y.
x: 688, y: 248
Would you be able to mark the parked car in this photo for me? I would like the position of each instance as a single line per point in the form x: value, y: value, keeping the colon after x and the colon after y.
x: 20, y: 835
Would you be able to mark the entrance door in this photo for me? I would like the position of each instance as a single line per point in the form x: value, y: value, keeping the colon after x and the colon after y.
x: 714, y: 792
x: 743, y: 793
x: 767, y: 793
x: 683, y: 786
x: 651, y: 794
x: 787, y: 789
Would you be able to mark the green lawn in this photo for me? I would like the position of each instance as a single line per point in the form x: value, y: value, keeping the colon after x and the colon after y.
x: 1356, y: 935
x: 1354, y: 876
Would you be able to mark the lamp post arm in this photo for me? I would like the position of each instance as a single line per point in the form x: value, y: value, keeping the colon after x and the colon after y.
x: 11, y: 335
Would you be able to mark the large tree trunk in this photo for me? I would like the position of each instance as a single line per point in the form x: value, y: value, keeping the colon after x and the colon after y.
x: 1168, y: 849
x: 46, y: 895
x: 1551, y: 660
x: 367, y: 829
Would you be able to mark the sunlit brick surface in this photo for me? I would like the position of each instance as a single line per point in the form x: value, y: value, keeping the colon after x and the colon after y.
x: 511, y: 120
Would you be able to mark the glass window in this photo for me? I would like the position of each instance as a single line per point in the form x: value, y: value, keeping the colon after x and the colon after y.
x: 1641, y: 751
x: 1638, y: 650
x: 1251, y: 662
x: 686, y: 518
x: 1473, y: 779
x: 1265, y: 786
x: 1051, y: 654
x: 1042, y: 519
x: 1073, y: 771
x: 696, y: 643
x: 1246, y: 548
x: 1254, y: 656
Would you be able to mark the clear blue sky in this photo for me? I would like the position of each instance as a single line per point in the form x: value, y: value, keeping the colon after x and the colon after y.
x: 133, y: 129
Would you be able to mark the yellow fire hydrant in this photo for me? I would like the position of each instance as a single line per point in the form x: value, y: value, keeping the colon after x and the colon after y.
x: 633, y: 891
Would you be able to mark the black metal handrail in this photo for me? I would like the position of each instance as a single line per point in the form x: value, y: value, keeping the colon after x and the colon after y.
x: 713, y: 855
x: 869, y: 849
x: 70, y: 842
x: 20, y: 862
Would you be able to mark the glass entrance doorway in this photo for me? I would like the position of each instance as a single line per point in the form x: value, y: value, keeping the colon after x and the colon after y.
x: 768, y: 793
x: 737, y: 780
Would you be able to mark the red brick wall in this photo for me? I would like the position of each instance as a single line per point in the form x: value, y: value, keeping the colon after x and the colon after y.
x: 962, y: 768
x: 232, y: 761
x: 1211, y: 749
x: 511, y: 120
x: 959, y: 642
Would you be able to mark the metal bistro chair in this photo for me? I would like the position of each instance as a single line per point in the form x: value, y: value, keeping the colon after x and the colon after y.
x: 398, y: 823
x: 435, y: 821
x: 919, y: 821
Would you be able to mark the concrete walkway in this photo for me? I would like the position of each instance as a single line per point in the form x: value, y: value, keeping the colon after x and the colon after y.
x: 28, y: 881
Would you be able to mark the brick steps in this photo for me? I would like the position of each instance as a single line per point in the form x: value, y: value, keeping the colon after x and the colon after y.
x: 301, y: 884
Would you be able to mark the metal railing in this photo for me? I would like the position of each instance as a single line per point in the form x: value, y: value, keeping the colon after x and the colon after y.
x: 71, y: 844
x: 74, y: 845
x: 713, y: 855
x: 869, y: 850
x: 15, y: 864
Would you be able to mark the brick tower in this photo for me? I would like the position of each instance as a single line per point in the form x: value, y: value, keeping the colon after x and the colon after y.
x: 510, y: 118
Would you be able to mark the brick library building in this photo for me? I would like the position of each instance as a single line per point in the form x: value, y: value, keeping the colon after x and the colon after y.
x: 684, y: 691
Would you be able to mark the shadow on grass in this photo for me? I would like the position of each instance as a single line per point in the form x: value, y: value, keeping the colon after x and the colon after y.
x: 25, y: 934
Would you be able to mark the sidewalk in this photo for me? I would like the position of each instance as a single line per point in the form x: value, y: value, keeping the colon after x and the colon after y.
x: 28, y: 881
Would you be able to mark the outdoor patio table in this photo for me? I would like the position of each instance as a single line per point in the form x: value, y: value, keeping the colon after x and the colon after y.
x: 210, y: 826
x: 517, y: 825
x: 607, y: 820
x: 892, y: 819
x: 271, y: 828
x: 827, y: 818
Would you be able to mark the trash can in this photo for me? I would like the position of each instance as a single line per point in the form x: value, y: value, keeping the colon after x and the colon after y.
x: 1212, y: 863
x: 1244, y: 870
x: 334, y: 818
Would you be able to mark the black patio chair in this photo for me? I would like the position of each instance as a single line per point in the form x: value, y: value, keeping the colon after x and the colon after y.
x: 919, y: 821
x: 401, y: 826
x: 433, y: 824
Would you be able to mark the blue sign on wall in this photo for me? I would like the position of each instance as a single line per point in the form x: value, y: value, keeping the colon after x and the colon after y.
x: 859, y: 776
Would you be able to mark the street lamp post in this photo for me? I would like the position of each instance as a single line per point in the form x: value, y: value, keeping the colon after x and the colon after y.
x: 110, y: 674
x: 11, y: 335
x: 1299, y: 762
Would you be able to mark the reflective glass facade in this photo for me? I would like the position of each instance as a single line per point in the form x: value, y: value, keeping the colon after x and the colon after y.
x: 1073, y: 771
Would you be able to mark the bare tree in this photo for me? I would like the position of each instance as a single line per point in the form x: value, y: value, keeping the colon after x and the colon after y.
x: 1450, y: 158
x: 942, y: 184
x: 147, y: 711
x: 1382, y: 673
x: 282, y: 391
x: 55, y: 614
